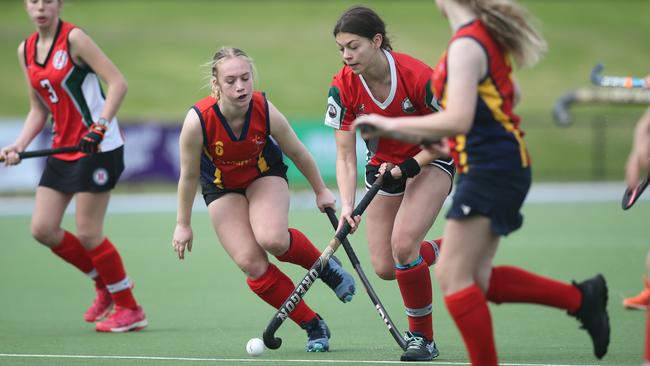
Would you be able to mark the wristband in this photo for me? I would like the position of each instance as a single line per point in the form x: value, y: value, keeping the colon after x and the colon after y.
x: 410, y: 167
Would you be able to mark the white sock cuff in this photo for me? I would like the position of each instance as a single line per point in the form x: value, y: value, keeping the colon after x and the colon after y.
x: 92, y: 274
x: 119, y: 286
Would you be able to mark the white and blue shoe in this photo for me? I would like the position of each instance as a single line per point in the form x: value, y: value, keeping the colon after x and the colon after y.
x: 339, y: 280
x: 318, y: 335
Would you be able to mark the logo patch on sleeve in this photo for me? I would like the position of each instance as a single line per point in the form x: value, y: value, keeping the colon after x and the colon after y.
x: 334, y: 114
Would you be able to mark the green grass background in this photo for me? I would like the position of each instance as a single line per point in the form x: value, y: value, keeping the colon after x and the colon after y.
x: 201, y: 307
x: 161, y: 46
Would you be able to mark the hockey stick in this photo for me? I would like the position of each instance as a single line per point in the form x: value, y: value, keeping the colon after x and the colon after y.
x: 632, y: 195
x: 270, y: 340
x: 368, y: 132
x: 619, y: 96
x: 366, y: 283
x: 627, y: 82
x: 44, y: 152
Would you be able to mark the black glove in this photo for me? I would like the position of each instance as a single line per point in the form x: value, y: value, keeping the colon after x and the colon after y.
x: 91, y: 140
x: 409, y: 167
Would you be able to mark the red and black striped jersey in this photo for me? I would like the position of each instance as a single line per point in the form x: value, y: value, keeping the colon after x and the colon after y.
x: 410, y: 95
x: 495, y: 141
x: 229, y: 161
x: 71, y: 92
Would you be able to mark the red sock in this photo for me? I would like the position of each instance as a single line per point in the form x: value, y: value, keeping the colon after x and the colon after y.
x: 415, y: 285
x: 301, y: 250
x: 429, y: 253
x: 647, y: 336
x: 71, y: 251
x: 470, y: 312
x: 109, y: 265
x: 512, y: 284
x: 275, y: 287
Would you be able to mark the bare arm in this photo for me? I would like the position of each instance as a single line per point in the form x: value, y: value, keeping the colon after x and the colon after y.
x: 467, y: 63
x: 638, y: 162
x: 296, y: 151
x: 85, y: 51
x: 191, y: 143
x: 34, y: 122
x: 346, y: 173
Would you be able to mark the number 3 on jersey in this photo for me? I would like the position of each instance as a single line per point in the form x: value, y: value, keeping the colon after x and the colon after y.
x: 45, y: 83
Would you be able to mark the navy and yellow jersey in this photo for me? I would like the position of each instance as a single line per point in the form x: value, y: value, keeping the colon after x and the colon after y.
x: 410, y: 95
x: 229, y: 161
x: 495, y: 141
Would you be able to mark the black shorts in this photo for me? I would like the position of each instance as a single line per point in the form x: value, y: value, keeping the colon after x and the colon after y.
x: 497, y: 195
x: 211, y: 192
x: 92, y: 173
x: 396, y: 188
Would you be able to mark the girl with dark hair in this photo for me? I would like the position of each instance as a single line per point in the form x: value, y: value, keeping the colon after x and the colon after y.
x: 375, y: 79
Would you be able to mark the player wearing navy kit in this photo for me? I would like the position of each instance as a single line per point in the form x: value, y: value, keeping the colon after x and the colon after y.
x: 232, y: 142
x: 63, y: 67
x: 474, y: 84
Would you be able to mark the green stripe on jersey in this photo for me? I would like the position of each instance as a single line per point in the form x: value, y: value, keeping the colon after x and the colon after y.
x: 72, y: 84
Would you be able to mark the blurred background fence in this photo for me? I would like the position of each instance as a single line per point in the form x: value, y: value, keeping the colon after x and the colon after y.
x: 162, y: 46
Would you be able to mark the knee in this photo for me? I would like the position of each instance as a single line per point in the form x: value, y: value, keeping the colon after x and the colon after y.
x: 444, y: 278
x: 44, y: 234
x: 276, y: 243
x: 253, y: 268
x: 404, y: 249
x: 88, y: 239
x: 385, y: 272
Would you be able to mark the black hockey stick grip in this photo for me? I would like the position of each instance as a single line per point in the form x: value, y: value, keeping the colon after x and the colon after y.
x: 268, y: 336
x: 44, y: 152
x: 366, y: 283
x: 632, y: 195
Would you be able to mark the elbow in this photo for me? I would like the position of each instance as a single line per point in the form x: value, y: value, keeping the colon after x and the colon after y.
x: 124, y: 86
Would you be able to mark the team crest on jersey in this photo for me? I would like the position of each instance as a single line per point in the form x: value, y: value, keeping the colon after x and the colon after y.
x: 331, y: 110
x: 60, y: 59
x: 407, y: 106
x: 100, y: 176
x: 361, y: 110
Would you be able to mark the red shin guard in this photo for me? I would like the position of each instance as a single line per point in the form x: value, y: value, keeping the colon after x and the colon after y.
x: 472, y: 317
x: 512, y: 284
x: 415, y: 285
x: 71, y: 251
x: 301, y: 250
x: 274, y: 287
x: 108, y: 264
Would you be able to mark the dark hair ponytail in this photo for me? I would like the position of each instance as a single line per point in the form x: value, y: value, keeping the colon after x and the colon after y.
x: 363, y: 22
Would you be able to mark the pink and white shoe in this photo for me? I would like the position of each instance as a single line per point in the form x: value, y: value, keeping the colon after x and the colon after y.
x: 123, y: 320
x: 101, y: 306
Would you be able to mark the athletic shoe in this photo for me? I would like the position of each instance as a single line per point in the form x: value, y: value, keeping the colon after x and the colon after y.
x: 123, y: 320
x: 318, y: 335
x: 640, y: 301
x: 339, y: 280
x: 101, y: 306
x: 418, y: 348
x: 593, y: 312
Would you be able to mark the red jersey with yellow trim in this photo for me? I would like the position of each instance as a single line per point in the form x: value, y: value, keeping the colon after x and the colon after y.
x: 410, y: 95
x: 495, y: 141
x: 71, y: 92
x: 229, y: 161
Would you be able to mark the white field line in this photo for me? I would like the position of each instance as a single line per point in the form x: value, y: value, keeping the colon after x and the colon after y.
x: 304, y: 200
x: 251, y: 360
